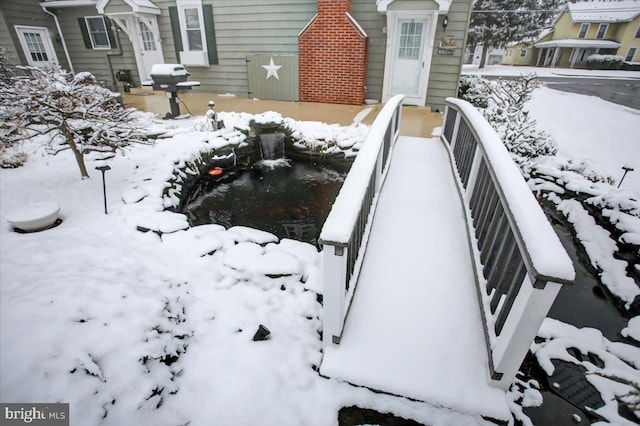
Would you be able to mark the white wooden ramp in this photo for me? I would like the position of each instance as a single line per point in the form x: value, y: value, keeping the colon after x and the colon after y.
x: 414, y: 328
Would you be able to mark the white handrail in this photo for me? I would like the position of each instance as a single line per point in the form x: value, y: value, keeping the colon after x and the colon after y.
x: 345, y: 232
x: 520, y: 264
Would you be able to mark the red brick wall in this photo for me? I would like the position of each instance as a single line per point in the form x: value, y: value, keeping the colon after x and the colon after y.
x: 332, y: 56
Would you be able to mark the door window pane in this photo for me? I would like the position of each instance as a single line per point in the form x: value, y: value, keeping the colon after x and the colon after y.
x: 148, y: 41
x: 410, y: 40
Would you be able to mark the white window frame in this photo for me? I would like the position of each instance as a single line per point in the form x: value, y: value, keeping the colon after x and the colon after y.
x: 586, y: 31
x: 523, y: 52
x: 192, y: 57
x: 637, y: 34
x: 604, y: 33
x: 631, y: 49
x: 106, y: 33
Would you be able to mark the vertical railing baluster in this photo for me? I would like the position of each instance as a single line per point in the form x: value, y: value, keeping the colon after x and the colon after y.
x: 505, y: 263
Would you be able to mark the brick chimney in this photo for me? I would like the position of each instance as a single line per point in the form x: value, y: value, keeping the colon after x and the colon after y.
x: 332, y: 57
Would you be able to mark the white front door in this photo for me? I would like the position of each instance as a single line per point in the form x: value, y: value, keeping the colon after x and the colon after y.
x: 149, y: 47
x: 37, y: 46
x: 409, y: 49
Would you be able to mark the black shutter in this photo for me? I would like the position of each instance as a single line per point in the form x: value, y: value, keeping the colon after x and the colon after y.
x: 85, y: 33
x: 210, y: 34
x: 112, y: 37
x: 175, y: 29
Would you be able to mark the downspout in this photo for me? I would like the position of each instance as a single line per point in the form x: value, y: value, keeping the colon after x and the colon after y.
x: 118, y: 52
x: 64, y: 43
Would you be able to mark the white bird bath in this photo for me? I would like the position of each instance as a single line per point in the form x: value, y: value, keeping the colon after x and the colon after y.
x: 34, y: 217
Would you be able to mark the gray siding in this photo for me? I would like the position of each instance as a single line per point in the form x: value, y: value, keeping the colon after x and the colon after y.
x: 373, y: 22
x: 102, y: 63
x: 445, y: 70
x: 7, y: 43
x: 243, y: 28
x: 27, y: 12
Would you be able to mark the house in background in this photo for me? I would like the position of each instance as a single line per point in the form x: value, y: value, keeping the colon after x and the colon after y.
x: 493, y: 56
x: 519, y: 53
x: 288, y: 50
x: 591, y: 27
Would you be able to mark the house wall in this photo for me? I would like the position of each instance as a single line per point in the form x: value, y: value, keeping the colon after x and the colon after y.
x: 626, y: 38
x: 7, y: 42
x: 102, y: 63
x: 373, y: 22
x: 563, y: 26
x: 29, y: 13
x: 445, y: 70
x: 333, y: 56
x: 242, y: 28
x: 512, y: 55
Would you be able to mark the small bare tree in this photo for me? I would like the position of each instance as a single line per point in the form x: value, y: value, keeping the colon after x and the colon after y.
x: 73, y: 111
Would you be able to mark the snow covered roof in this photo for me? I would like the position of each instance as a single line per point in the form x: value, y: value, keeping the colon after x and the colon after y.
x: 68, y: 3
x: 604, y: 11
x: 137, y: 6
x: 572, y: 42
x: 443, y: 5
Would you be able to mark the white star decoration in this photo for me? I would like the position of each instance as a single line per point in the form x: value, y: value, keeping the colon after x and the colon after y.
x: 272, y: 69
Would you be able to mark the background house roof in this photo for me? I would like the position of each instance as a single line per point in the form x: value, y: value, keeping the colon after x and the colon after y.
x: 604, y: 11
x: 572, y: 42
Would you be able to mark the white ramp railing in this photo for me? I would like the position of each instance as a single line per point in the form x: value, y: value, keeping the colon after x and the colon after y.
x: 345, y: 233
x: 520, y: 264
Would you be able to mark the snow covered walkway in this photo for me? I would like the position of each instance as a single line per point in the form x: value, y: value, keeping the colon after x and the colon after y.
x: 414, y: 328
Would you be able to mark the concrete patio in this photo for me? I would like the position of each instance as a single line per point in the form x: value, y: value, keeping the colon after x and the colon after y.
x: 416, y: 121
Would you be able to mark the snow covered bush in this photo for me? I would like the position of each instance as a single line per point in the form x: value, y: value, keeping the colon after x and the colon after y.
x: 475, y: 90
x: 604, y: 62
x: 504, y: 110
x: 69, y: 112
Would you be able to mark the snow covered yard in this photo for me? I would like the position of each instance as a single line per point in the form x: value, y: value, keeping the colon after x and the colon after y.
x: 586, y: 128
x: 137, y: 328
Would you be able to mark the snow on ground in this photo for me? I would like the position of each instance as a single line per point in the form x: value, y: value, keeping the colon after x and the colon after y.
x: 137, y: 328
x: 515, y: 71
x: 588, y: 128
x: 621, y: 362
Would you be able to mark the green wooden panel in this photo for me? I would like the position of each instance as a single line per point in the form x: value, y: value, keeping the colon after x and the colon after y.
x: 175, y: 30
x: 210, y: 34
x: 280, y: 87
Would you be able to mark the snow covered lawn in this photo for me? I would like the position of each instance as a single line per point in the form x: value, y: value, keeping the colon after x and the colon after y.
x: 135, y: 328
x: 602, y: 133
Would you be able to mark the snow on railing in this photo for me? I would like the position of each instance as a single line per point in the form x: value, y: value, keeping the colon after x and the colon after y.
x: 345, y: 233
x: 520, y: 264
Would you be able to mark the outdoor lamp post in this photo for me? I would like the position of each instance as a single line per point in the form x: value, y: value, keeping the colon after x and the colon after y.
x: 627, y: 168
x: 103, y: 169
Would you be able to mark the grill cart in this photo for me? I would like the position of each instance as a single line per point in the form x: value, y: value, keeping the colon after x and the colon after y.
x: 170, y: 78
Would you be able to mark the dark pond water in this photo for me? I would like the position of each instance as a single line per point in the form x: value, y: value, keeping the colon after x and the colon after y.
x: 586, y: 303
x: 290, y: 202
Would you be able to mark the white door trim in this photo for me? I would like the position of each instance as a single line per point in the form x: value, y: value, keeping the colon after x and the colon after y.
x: 393, y: 17
x: 46, y: 41
x: 129, y: 24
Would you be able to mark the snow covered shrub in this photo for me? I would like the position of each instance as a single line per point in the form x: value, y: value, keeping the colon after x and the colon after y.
x: 70, y: 111
x: 475, y: 90
x: 506, y: 114
x: 604, y: 62
x: 11, y: 157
